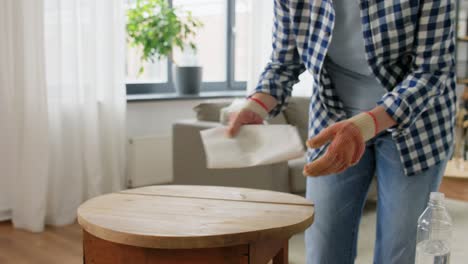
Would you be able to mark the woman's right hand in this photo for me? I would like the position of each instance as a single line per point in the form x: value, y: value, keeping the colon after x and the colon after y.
x: 254, y: 110
x: 243, y: 117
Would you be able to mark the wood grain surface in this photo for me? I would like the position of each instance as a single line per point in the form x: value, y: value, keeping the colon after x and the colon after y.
x: 178, y: 217
x: 221, y: 193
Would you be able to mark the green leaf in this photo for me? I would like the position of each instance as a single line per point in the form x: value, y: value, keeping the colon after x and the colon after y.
x: 141, y: 70
x: 155, y: 27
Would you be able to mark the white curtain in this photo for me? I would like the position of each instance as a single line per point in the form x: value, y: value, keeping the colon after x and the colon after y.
x: 62, y: 107
x: 259, y: 46
x: 259, y: 38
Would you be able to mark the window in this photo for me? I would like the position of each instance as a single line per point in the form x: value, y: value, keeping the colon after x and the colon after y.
x: 221, y: 44
x: 241, y: 29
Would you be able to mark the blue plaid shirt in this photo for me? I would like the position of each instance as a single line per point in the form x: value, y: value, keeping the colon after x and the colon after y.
x: 409, y: 47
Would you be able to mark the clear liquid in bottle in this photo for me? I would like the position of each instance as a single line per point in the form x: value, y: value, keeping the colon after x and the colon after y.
x: 434, y: 232
x: 433, y: 252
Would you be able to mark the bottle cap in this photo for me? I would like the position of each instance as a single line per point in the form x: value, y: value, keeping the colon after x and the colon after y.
x: 437, y: 196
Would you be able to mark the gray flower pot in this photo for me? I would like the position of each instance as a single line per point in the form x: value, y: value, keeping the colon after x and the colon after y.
x: 187, y: 80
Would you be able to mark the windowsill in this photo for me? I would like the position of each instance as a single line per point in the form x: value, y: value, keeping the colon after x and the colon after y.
x: 175, y: 96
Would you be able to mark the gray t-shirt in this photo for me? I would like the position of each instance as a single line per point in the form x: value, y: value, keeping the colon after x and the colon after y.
x: 355, y: 84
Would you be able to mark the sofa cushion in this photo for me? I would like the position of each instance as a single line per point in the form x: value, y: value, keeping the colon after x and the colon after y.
x: 277, y: 120
x: 297, y: 181
x: 209, y: 111
x: 297, y: 114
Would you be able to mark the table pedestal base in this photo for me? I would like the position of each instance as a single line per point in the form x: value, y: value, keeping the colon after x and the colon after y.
x: 100, y: 251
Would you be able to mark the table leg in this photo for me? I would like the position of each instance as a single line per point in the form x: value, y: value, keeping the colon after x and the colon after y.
x: 83, y: 249
x: 261, y: 252
x: 282, y: 257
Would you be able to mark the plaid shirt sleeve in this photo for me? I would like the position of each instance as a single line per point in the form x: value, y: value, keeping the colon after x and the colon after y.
x: 285, y: 66
x: 433, y: 65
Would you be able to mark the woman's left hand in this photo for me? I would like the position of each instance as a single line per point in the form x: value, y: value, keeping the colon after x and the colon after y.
x: 346, y: 149
x: 348, y: 141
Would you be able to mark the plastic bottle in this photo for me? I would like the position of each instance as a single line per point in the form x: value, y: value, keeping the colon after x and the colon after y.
x: 434, y: 232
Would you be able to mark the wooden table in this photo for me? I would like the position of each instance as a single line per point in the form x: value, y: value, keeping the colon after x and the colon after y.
x: 192, y: 224
x: 455, y: 182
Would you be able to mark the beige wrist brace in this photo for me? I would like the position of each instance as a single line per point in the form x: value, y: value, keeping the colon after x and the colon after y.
x: 366, y: 124
x: 254, y: 107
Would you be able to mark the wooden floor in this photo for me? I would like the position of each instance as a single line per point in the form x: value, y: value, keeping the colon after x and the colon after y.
x: 57, y: 245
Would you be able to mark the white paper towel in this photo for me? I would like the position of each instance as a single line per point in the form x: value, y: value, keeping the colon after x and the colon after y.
x: 254, y: 145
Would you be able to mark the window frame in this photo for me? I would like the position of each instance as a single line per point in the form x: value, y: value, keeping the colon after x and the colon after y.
x: 229, y: 85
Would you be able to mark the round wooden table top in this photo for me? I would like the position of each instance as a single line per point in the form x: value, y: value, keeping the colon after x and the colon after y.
x: 178, y: 217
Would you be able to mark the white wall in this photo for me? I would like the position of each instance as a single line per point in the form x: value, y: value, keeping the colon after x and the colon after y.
x: 156, y: 117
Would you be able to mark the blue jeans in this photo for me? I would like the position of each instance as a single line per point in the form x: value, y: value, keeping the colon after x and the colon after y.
x: 339, y: 200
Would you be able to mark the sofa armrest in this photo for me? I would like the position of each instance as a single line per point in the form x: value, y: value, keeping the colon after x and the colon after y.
x: 195, y: 124
x: 189, y: 163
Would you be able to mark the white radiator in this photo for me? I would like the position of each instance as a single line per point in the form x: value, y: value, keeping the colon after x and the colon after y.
x: 150, y: 161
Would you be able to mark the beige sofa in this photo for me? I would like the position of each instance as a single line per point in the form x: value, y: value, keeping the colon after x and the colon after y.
x: 189, y: 164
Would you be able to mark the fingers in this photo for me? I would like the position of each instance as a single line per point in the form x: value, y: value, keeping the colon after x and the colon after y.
x: 322, y: 138
x: 337, y: 158
x: 346, y: 149
x: 234, y: 125
x: 321, y: 165
x: 237, y: 120
x: 324, y: 167
x: 342, y: 168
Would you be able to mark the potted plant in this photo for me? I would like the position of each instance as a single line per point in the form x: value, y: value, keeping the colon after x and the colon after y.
x: 157, y: 28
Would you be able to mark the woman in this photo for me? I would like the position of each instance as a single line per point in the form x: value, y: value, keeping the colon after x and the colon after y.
x: 383, y: 104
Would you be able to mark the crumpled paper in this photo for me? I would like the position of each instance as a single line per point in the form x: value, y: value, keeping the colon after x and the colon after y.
x: 254, y: 145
